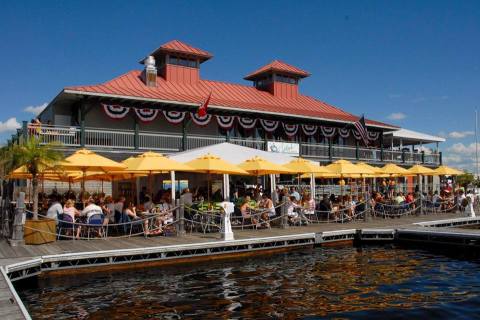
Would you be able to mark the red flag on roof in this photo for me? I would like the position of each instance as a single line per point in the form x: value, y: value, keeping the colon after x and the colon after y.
x: 202, y: 110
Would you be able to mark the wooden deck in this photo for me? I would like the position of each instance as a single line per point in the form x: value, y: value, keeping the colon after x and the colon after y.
x: 10, y: 254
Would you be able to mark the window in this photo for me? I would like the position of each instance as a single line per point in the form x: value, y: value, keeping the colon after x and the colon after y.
x: 263, y: 81
x: 285, y: 79
x: 180, y: 61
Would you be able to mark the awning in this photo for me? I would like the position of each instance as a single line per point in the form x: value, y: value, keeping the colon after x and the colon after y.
x: 411, y: 137
x: 232, y: 153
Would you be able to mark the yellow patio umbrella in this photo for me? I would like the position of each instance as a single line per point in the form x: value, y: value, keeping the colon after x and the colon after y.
x: 259, y: 167
x: 49, y: 174
x: 343, y: 168
x: 149, y: 163
x: 421, y: 170
x: 87, y: 161
x: 153, y: 162
x: 110, y: 176
x: 394, y: 171
x: 210, y: 163
x: 446, y: 171
x: 347, y: 169
x: 377, y: 171
x: 301, y: 165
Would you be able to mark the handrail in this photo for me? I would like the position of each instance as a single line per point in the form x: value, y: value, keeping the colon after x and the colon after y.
x: 119, y: 138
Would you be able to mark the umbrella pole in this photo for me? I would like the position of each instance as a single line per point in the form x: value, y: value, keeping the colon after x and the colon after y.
x: 208, y: 187
x: 84, y: 175
x: 150, y: 183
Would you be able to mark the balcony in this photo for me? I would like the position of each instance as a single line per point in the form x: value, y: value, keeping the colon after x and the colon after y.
x: 132, y: 141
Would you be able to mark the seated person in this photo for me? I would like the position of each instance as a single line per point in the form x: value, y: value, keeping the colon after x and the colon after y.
x: 267, y: 203
x: 245, y: 211
x: 308, y: 205
x: 55, y: 209
x: 131, y: 211
x: 360, y: 207
x: 292, y: 206
x: 109, y: 209
x: 148, y: 204
x: 90, y: 210
x: 399, y: 199
x: 350, y: 206
x: 410, y: 200
x: 325, y: 205
x: 70, y: 209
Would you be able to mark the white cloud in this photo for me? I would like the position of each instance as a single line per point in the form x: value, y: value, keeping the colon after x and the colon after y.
x: 9, y: 125
x: 36, y: 109
x: 452, y: 158
x: 460, y: 134
x: 397, y: 116
x: 462, y: 149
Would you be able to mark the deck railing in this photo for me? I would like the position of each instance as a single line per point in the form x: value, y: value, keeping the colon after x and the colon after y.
x: 98, y: 138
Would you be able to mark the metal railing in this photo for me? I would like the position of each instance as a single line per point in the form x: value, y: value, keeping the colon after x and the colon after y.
x: 115, y: 139
x: 71, y: 136
x: 160, y: 141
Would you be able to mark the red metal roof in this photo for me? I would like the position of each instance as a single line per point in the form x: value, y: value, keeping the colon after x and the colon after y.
x: 182, y: 47
x: 225, y: 95
x: 280, y: 66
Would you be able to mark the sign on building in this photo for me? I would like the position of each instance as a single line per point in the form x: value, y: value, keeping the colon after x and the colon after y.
x: 289, y: 148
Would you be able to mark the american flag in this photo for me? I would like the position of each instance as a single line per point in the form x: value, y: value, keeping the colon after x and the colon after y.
x: 362, y: 129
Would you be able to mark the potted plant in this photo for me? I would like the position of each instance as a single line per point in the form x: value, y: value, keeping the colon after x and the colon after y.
x: 35, y: 157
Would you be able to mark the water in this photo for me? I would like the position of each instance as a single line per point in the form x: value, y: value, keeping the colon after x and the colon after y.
x: 370, y: 282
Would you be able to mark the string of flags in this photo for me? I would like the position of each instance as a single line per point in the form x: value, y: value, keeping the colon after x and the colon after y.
x: 147, y: 115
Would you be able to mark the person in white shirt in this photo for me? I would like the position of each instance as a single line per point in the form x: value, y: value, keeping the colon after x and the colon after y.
x: 55, y: 210
x: 90, y: 210
x: 470, y: 212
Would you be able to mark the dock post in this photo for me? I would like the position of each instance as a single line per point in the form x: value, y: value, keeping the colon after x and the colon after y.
x: 367, y: 217
x: 284, y: 219
x: 18, y: 222
x: 180, y: 213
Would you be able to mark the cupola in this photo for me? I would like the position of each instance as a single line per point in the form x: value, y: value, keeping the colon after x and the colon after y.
x: 278, y: 78
x: 177, y: 61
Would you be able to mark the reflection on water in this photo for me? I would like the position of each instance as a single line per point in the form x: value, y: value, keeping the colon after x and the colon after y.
x: 369, y: 282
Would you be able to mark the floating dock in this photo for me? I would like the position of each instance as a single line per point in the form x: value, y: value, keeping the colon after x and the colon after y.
x: 72, y: 256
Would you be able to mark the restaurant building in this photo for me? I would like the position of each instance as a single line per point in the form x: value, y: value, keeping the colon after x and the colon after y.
x: 155, y: 108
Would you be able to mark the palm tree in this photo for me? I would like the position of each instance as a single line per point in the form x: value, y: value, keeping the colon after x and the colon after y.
x: 35, y: 156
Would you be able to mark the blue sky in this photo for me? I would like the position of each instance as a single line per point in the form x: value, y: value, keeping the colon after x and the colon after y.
x: 411, y: 63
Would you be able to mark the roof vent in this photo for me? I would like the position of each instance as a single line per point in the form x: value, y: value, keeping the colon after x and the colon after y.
x: 149, y: 74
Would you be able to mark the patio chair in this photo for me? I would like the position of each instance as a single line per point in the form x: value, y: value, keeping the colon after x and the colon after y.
x: 65, y: 224
x: 95, y: 222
